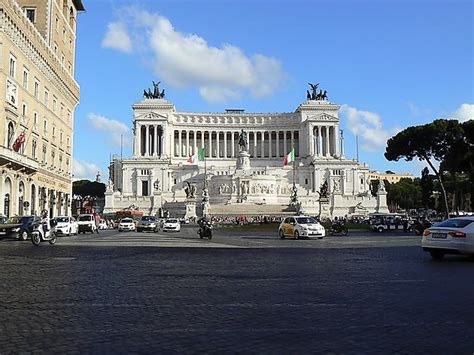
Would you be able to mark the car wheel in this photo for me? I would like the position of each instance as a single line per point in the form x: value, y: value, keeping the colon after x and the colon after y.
x: 380, y: 229
x: 297, y: 235
x: 281, y: 234
x: 437, y: 254
x: 23, y: 235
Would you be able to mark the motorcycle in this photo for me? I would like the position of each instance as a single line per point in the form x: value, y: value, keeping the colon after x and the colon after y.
x: 205, y: 230
x: 419, y: 226
x: 40, y: 234
x: 338, y: 228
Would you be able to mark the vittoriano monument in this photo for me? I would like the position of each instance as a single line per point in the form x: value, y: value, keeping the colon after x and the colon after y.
x: 243, y: 155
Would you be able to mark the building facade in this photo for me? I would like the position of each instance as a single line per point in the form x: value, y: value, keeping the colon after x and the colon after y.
x: 392, y: 178
x: 160, y: 173
x: 37, y: 51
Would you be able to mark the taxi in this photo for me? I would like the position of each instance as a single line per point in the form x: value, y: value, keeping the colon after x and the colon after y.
x: 301, y: 227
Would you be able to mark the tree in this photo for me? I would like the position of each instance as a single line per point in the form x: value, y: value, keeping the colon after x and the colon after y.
x: 427, y: 187
x: 430, y: 143
x: 88, y: 188
x: 405, y: 194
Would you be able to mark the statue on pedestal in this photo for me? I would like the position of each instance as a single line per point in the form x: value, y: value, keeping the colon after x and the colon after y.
x: 190, y: 190
x: 243, y: 143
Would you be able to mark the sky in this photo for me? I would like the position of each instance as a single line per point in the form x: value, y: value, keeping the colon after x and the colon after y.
x: 389, y: 64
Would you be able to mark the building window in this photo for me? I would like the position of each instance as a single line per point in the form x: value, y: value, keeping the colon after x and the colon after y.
x: 144, y: 188
x: 31, y: 14
x: 37, y: 86
x: 35, y: 118
x: 53, y: 155
x: 11, y: 133
x: 33, y: 149
x: 55, y: 49
x: 54, y: 131
x: 12, y: 67
x: 45, y: 149
x: 61, y: 137
x: 46, y: 98
x: 45, y: 125
x: 24, y: 109
x: 54, y: 104
x: 67, y: 142
x: 25, y: 79
x: 57, y: 24
x: 60, y: 161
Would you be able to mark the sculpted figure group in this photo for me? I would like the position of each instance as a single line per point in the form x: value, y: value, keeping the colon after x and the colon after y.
x: 156, y: 94
x: 314, y: 95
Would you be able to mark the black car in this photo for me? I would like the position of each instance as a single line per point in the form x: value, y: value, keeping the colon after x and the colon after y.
x: 20, y: 226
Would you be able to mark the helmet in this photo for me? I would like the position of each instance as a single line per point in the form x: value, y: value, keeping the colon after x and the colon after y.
x: 44, y: 213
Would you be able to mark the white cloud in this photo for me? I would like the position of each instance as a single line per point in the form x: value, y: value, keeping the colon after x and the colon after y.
x: 117, y: 38
x: 464, y: 113
x: 187, y: 60
x: 368, y: 126
x: 84, y: 170
x: 118, y: 130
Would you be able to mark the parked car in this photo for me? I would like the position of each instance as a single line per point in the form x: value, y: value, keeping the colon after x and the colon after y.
x: 126, y: 224
x: 452, y: 236
x: 103, y: 224
x: 171, y: 224
x: 18, y: 226
x: 66, y: 225
x: 147, y: 223
x: 86, y: 223
x: 3, y: 219
x: 301, y: 226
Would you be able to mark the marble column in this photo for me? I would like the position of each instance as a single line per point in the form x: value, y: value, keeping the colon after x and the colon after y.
x: 284, y: 143
x: 232, y: 145
x: 210, y: 144
x: 147, y: 138
x: 186, y: 150
x: 277, y: 143
x: 262, y: 148
x: 157, y: 141
x: 327, y: 141
x: 320, y: 137
x: 180, y: 143
x: 136, y: 145
x: 225, y: 144
x: 270, y: 150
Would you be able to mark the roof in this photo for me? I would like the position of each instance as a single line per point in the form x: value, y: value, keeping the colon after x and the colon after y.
x: 78, y: 5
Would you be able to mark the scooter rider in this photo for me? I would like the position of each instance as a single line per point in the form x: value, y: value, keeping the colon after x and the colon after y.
x: 45, y: 222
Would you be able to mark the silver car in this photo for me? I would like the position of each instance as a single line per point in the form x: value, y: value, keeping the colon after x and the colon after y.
x: 147, y: 223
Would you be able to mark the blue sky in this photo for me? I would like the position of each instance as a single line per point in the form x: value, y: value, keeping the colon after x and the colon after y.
x: 389, y: 64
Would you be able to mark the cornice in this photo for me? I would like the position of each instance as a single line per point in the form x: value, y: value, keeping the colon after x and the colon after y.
x: 26, y: 37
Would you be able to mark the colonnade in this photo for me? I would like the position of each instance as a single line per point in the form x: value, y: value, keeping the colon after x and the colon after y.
x: 324, y: 141
x: 224, y: 144
x: 150, y: 140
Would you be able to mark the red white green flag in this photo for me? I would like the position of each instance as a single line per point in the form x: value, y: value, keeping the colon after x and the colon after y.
x: 290, y: 157
x: 192, y: 159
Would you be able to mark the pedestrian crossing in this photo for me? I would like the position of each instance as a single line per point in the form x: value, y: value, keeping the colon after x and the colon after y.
x: 134, y: 239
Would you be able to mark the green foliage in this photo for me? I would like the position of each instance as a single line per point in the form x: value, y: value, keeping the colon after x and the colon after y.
x: 88, y: 188
x: 404, y: 194
x: 427, y: 187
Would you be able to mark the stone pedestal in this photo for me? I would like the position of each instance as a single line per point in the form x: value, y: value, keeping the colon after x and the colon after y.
x: 243, y: 160
x: 382, y: 202
x: 190, y: 210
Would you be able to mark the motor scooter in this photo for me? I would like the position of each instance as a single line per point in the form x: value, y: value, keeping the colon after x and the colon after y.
x: 338, y: 228
x: 41, y: 234
x: 205, y: 229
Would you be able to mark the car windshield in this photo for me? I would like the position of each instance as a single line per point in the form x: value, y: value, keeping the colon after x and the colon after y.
x: 171, y: 221
x: 126, y: 220
x: 85, y: 218
x: 455, y: 223
x: 148, y: 218
x: 306, y: 220
x: 62, y: 219
x: 25, y: 219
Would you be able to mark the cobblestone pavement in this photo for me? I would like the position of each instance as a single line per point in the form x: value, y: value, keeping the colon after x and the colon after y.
x: 126, y: 293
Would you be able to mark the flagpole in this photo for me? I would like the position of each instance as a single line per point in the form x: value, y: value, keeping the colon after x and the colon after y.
x: 294, y: 169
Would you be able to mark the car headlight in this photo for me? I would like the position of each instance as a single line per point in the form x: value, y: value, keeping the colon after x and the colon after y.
x: 16, y: 229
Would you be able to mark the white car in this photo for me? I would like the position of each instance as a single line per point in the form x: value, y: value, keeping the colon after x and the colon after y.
x: 126, y: 224
x: 452, y: 236
x: 86, y: 223
x: 171, y: 224
x: 66, y: 226
x: 301, y: 227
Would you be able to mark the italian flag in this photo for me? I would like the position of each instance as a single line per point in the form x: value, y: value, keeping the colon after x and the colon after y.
x: 200, y: 156
x: 290, y: 157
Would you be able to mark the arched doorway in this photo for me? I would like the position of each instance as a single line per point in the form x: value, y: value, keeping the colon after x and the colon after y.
x: 21, y: 198
x: 6, y: 200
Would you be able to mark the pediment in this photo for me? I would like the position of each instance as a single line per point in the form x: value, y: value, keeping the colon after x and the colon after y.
x: 323, y: 117
x: 150, y: 116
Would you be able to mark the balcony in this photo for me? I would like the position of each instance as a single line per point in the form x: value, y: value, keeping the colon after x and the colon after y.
x: 17, y: 161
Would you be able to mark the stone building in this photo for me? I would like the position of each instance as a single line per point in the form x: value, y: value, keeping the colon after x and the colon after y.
x: 37, y: 51
x: 254, y: 181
